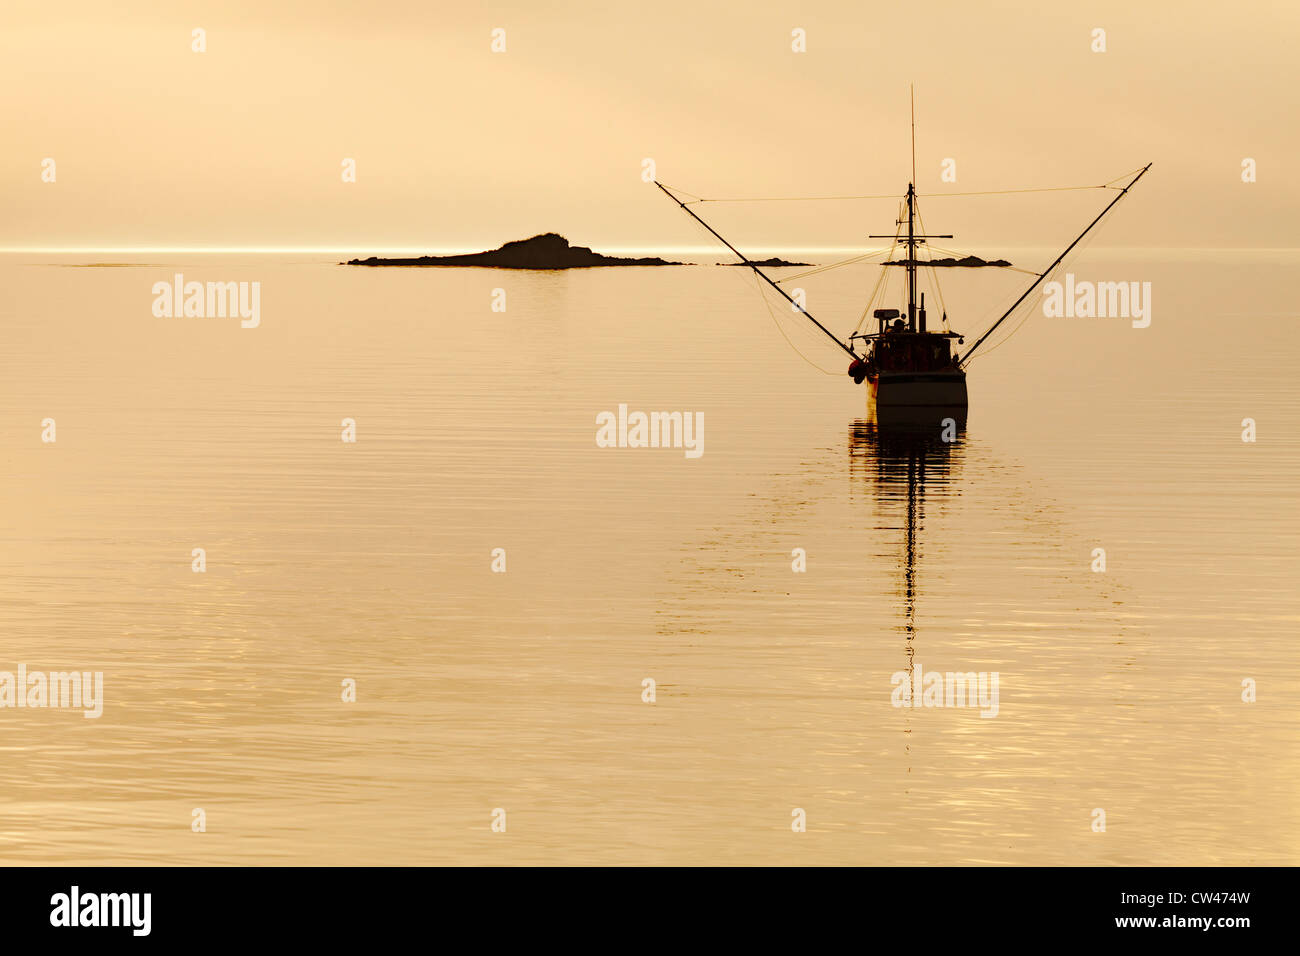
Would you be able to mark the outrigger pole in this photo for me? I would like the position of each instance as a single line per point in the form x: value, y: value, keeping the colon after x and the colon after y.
x: 1048, y: 270
x: 758, y: 272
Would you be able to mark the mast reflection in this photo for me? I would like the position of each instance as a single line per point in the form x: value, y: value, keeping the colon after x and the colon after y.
x: 903, y: 459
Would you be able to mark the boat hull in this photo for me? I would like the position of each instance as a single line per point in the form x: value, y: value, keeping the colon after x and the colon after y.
x: 945, y: 389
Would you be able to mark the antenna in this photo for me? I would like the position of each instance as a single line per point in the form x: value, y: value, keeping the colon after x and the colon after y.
x: 912, y: 88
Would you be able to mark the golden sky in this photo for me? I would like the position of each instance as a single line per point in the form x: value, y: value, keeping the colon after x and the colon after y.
x: 459, y: 147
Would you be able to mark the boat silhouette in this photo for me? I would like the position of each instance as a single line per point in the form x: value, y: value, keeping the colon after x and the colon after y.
x: 904, y: 362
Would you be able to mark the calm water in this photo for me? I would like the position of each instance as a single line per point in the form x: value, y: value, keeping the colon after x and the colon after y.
x: 371, y: 561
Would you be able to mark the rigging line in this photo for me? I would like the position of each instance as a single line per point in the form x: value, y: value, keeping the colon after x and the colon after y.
x: 833, y: 265
x: 881, y: 286
x: 1026, y: 307
x: 879, y: 296
x: 798, y: 198
x: 1029, y: 306
x: 934, y: 278
x: 875, y: 291
x: 762, y: 294
x: 1056, y: 262
x: 951, y: 252
x: 684, y: 192
x: 960, y: 254
x: 882, y: 282
x: 759, y: 272
x: 1007, y: 337
x: 879, y: 303
x: 986, y: 192
x: 1004, y: 192
x: 1026, y: 310
x: 1123, y: 176
x: 1108, y: 184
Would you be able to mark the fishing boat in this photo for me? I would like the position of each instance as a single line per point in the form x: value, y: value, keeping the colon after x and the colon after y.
x: 905, y: 363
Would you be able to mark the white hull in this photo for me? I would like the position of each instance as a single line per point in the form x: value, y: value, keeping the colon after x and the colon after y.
x: 912, y: 389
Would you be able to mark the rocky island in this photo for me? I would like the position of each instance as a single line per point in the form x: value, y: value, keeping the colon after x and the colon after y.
x: 773, y: 263
x: 547, y: 251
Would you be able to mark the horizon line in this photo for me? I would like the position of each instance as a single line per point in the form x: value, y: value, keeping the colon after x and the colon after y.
x: 624, y: 250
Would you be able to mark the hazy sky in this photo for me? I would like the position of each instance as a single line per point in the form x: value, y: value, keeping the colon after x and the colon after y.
x: 460, y: 147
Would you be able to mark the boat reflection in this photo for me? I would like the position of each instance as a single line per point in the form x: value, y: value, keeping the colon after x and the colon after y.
x: 905, y: 459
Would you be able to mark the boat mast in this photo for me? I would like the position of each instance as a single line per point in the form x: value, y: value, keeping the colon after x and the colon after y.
x: 913, y: 240
x: 1046, y: 272
x: 758, y: 272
